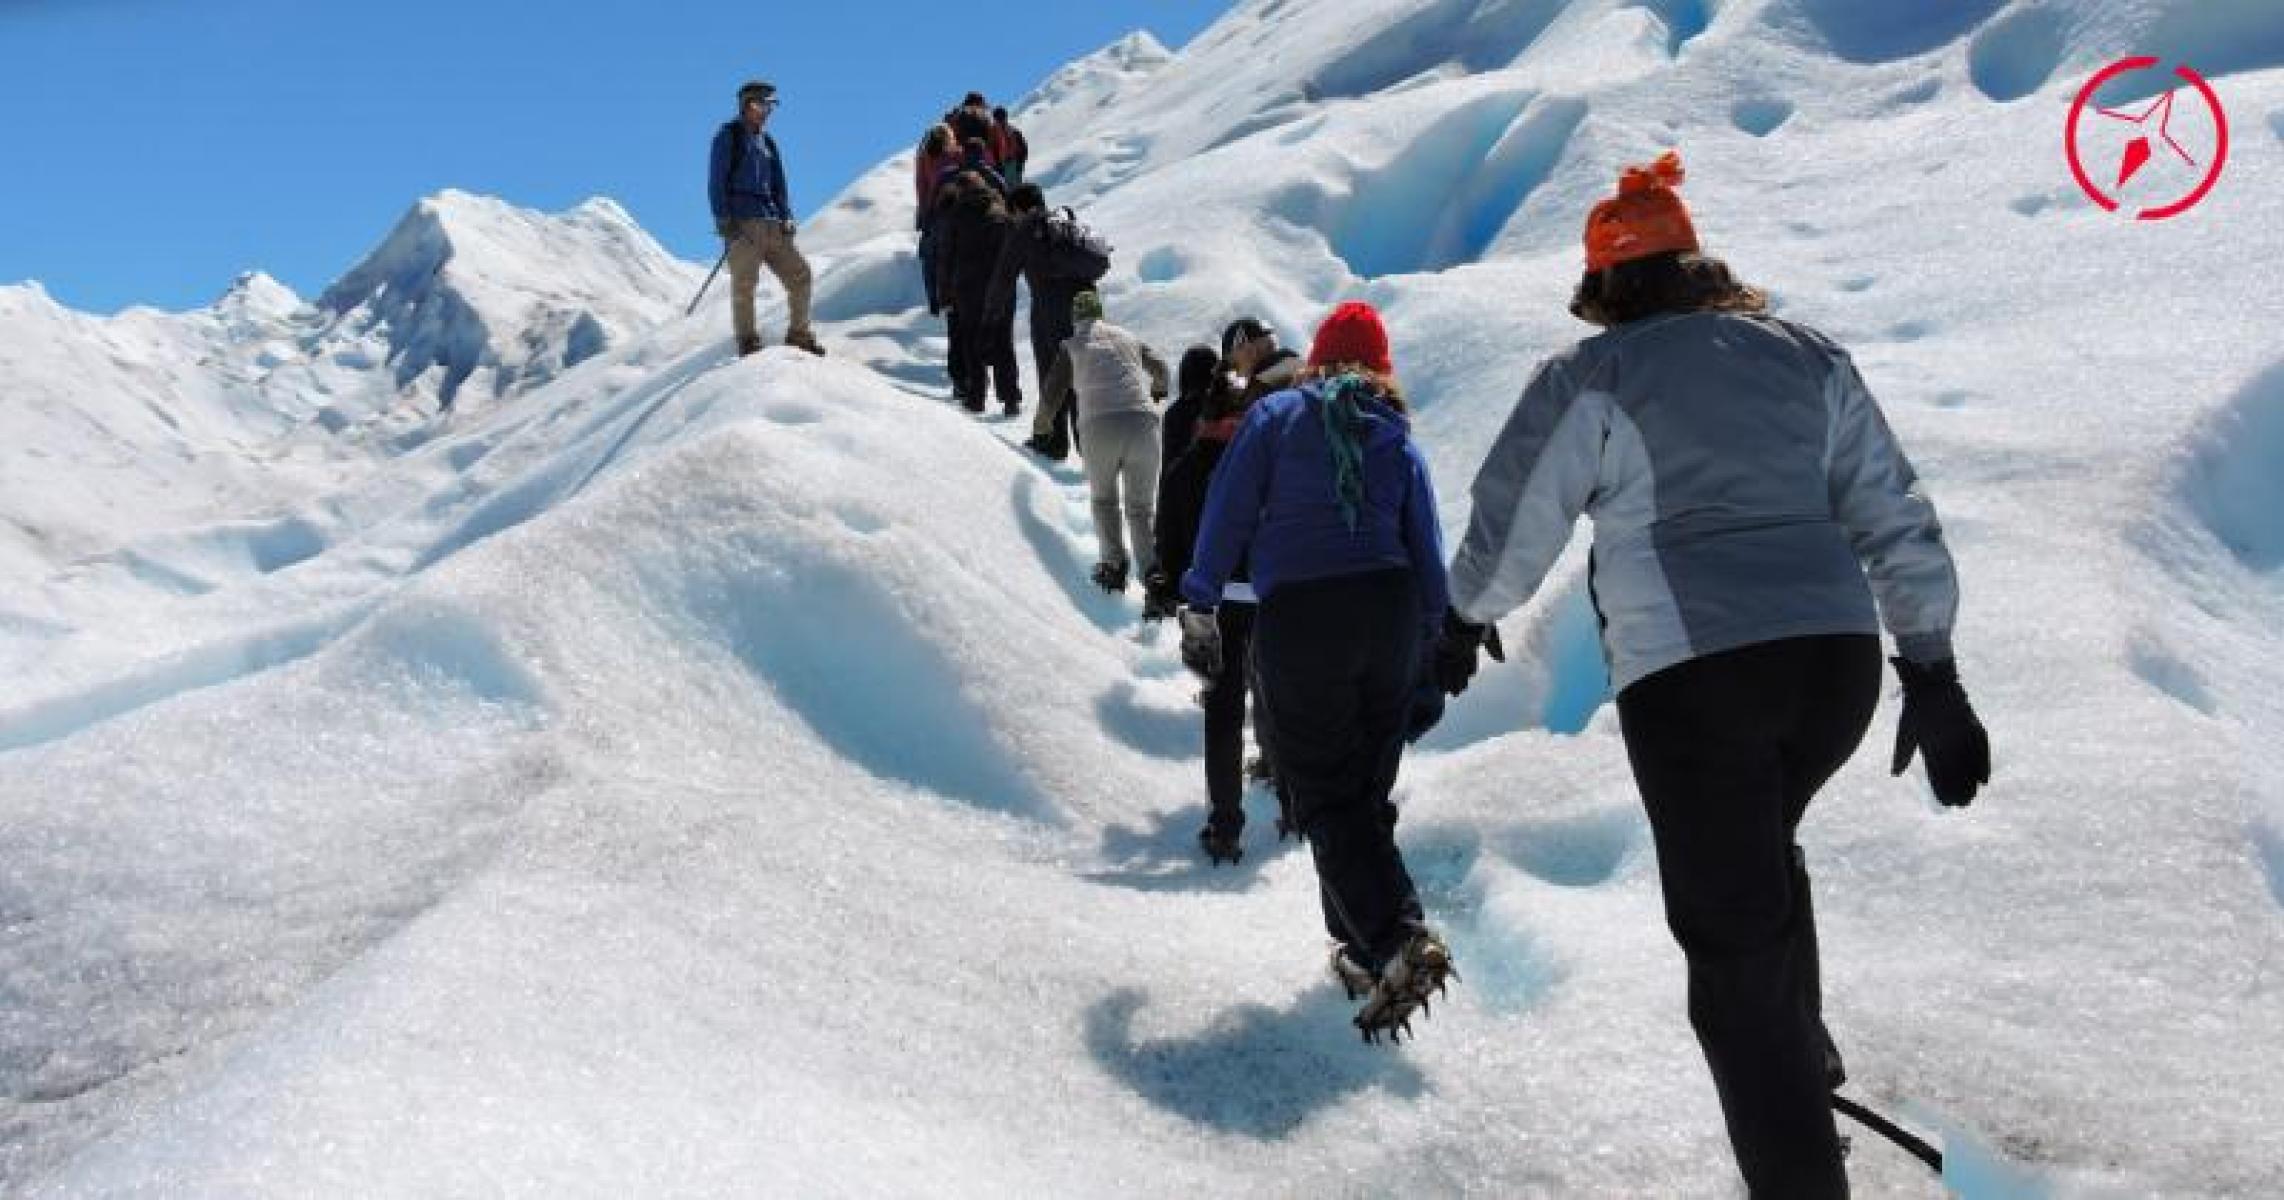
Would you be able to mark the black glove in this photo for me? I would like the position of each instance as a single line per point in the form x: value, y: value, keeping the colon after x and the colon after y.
x: 1201, y: 641
x: 727, y: 227
x: 1159, y: 599
x: 789, y: 227
x: 1940, y: 724
x: 1455, y: 650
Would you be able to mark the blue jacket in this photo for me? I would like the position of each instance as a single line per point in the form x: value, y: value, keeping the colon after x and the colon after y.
x: 1273, y: 505
x: 759, y: 187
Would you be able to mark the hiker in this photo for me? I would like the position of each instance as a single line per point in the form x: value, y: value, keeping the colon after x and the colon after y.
x: 1194, y: 378
x: 1322, y: 496
x: 971, y: 122
x: 1182, y: 485
x: 1253, y: 365
x: 975, y: 159
x: 1743, y: 485
x: 1117, y: 381
x: 1028, y: 256
x: 1014, y: 148
x: 973, y: 228
x: 932, y: 165
x: 753, y: 213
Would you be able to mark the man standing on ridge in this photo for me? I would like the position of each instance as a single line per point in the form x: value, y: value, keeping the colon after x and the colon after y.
x: 753, y: 213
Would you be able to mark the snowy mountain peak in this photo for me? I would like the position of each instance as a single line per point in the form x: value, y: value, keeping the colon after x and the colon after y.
x: 467, y: 285
x: 256, y: 296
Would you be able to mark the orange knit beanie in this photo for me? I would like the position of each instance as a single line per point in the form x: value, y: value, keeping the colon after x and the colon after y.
x: 1646, y: 217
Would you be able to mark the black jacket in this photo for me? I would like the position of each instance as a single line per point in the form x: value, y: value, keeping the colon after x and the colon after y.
x: 970, y: 239
x: 1175, y: 430
x: 1181, y: 509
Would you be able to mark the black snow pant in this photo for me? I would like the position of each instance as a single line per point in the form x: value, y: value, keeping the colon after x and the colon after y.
x: 1225, y: 698
x: 1050, y: 324
x: 1728, y: 750
x: 1336, y: 658
x: 983, y: 356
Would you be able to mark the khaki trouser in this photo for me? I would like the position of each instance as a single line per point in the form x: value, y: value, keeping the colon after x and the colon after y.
x: 1122, y: 474
x: 761, y: 243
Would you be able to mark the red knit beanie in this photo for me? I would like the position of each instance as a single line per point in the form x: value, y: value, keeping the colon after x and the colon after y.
x: 1352, y: 334
x: 1646, y: 217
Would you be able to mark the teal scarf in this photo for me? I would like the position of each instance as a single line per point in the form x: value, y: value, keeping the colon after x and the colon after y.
x: 1344, y: 437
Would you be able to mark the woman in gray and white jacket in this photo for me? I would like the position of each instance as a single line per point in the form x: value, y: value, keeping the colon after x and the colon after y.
x: 1743, y: 486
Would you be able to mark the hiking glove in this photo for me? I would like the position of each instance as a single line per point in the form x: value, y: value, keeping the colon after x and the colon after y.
x: 787, y: 226
x: 1939, y: 724
x: 1159, y: 599
x: 1455, y: 650
x: 1201, y: 641
x: 727, y: 227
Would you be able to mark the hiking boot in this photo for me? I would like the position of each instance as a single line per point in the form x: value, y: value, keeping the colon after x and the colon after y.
x: 1011, y: 408
x: 1110, y: 576
x: 1219, y: 841
x: 1350, y: 974
x: 1045, y: 447
x: 802, y: 339
x: 749, y: 344
x: 973, y: 404
x: 1420, y: 970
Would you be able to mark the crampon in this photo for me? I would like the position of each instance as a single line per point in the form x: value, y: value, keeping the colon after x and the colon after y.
x: 1421, y: 970
x: 1350, y: 974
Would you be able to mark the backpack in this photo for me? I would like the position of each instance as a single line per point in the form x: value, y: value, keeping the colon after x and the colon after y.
x: 1071, y: 251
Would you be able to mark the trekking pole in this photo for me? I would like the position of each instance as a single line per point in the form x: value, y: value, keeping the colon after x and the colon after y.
x: 1891, y: 1131
x: 709, y: 280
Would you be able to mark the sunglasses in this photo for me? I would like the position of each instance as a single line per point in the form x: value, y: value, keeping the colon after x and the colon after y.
x: 763, y: 101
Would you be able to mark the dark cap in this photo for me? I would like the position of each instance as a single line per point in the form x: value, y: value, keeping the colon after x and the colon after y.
x: 1243, y: 329
x: 757, y: 88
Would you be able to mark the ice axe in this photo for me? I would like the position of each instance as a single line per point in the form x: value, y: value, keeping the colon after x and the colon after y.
x: 709, y: 280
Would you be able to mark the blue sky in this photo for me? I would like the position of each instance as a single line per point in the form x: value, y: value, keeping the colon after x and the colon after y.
x: 153, y: 149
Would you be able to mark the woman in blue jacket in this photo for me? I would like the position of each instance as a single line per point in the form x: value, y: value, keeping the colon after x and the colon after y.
x: 1325, y: 499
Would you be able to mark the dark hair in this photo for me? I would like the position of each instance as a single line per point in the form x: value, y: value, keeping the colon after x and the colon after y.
x: 1196, y: 374
x: 939, y: 139
x: 973, y: 148
x: 1243, y: 329
x: 975, y: 99
x: 1026, y: 197
x: 999, y: 114
x: 1674, y: 282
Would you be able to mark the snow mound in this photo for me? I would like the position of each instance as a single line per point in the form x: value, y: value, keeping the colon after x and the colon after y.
x: 2235, y: 481
x: 1875, y: 33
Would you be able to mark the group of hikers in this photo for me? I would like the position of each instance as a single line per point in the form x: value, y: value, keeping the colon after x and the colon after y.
x: 983, y: 228
x: 1755, y: 524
